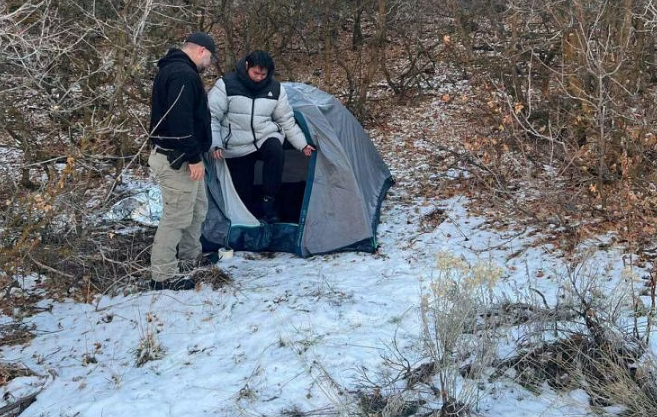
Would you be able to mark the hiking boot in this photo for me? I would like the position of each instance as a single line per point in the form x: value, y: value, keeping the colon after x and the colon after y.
x: 269, y: 212
x: 174, y: 284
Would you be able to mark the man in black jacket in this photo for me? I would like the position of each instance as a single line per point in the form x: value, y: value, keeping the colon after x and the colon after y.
x: 180, y: 132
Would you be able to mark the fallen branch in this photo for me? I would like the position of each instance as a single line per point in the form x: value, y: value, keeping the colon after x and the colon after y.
x: 49, y: 268
x: 18, y: 406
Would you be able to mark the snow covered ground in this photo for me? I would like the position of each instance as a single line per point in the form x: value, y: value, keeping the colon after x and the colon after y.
x: 291, y: 336
x: 288, y: 334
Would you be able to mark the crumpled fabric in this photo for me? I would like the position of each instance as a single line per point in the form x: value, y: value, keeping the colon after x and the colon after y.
x: 144, y: 207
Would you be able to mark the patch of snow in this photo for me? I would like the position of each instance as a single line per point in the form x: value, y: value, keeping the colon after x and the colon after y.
x: 31, y: 282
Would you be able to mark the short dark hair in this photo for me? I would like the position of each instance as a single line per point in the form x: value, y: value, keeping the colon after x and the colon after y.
x: 260, y: 59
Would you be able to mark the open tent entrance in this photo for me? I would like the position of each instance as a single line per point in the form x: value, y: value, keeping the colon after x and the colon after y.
x: 290, y: 197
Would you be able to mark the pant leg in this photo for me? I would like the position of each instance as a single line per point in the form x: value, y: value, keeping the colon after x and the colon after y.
x: 242, y: 171
x: 273, y: 157
x: 189, y: 247
x: 178, y: 200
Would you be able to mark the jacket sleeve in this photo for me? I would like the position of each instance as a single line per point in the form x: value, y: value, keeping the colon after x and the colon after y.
x: 218, y: 103
x: 284, y: 116
x: 181, y: 96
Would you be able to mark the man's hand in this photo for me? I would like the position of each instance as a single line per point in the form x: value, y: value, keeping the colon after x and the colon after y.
x: 308, y: 150
x: 196, y: 171
x: 217, y: 153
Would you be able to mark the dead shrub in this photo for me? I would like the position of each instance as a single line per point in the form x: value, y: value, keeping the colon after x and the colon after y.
x: 148, y: 349
x: 9, y: 371
x: 594, y: 343
x: 15, y: 334
x: 103, y: 260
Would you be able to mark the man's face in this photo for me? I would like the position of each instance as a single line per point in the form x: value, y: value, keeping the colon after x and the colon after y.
x: 257, y: 73
x: 205, y: 59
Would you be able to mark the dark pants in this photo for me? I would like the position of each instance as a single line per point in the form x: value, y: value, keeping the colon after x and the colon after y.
x: 242, y: 170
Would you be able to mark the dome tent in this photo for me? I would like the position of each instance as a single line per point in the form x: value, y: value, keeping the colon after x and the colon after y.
x: 328, y: 202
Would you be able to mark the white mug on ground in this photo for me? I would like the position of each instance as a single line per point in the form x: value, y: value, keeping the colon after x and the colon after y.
x: 225, y: 254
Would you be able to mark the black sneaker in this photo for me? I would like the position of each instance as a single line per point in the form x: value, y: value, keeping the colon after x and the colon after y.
x: 269, y: 213
x: 174, y: 284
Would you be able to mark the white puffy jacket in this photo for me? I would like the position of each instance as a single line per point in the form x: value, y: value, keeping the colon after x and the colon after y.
x: 242, y: 119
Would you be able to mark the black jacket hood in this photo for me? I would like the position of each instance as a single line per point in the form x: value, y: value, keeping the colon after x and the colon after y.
x: 243, y: 75
x: 176, y: 55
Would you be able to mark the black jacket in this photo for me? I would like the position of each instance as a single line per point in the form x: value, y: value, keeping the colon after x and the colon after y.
x: 180, y: 118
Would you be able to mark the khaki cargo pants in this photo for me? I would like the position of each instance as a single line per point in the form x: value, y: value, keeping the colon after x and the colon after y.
x: 184, y: 206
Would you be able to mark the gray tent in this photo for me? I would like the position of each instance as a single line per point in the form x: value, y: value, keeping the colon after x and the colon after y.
x: 328, y: 202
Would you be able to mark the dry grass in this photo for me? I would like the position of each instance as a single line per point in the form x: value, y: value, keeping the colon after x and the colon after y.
x: 9, y: 371
x: 15, y: 334
x: 213, y: 276
x: 148, y: 349
x: 611, y: 374
x: 100, y: 261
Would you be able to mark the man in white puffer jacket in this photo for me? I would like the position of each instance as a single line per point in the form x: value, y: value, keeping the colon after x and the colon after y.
x: 251, y: 117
